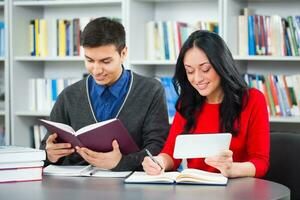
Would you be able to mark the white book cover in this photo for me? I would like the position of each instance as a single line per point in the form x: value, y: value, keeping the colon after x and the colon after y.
x: 21, y: 175
x: 9, y: 154
x: 201, y: 145
x: 150, y: 46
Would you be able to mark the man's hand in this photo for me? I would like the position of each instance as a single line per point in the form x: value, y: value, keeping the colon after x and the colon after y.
x: 57, y: 150
x: 107, y: 160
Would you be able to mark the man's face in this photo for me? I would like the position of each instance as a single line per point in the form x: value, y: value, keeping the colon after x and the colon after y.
x: 104, y: 63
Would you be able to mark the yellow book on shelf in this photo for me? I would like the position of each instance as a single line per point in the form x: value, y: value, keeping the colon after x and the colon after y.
x: 37, y: 33
x: 43, y: 38
x: 62, y: 37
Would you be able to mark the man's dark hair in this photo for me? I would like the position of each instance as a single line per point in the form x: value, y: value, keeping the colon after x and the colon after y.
x: 234, y: 86
x: 103, y: 31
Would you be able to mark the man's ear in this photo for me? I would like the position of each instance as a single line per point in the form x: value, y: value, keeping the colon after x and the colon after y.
x: 124, y: 53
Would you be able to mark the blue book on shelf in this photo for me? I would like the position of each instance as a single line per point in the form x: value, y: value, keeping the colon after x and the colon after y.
x: 54, y: 90
x: 166, y: 43
x: 171, y: 96
x: 251, y: 39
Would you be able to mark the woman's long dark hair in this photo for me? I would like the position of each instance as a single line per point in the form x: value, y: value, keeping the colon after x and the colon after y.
x: 190, y: 102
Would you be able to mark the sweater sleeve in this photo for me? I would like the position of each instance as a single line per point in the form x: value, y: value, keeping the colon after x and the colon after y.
x: 176, y: 129
x: 154, y: 133
x: 58, y: 114
x: 258, y: 142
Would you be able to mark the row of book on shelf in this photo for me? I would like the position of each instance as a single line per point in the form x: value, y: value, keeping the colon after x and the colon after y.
x: 282, y: 92
x: 268, y: 35
x: 2, y: 39
x: 164, y: 39
x: 66, y: 33
x: 43, y: 92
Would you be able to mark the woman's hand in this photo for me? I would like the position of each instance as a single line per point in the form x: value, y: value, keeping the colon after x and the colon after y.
x: 223, y: 162
x: 151, y: 168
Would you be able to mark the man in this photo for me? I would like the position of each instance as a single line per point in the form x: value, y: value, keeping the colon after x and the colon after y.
x: 108, y: 92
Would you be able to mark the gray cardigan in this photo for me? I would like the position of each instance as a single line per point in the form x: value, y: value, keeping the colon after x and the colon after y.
x: 143, y: 112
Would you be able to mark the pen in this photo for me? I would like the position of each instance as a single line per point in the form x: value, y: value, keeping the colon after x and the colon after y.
x: 153, y: 159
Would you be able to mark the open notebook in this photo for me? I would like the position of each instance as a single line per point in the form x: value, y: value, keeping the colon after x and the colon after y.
x: 88, y: 170
x: 187, y: 176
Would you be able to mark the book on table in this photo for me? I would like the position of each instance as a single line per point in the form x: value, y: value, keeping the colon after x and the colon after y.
x: 88, y: 170
x: 187, y: 176
x: 10, y: 154
x: 21, y: 171
x: 97, y: 137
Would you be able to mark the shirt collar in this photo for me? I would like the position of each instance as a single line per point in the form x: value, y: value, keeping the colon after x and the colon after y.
x: 114, y: 89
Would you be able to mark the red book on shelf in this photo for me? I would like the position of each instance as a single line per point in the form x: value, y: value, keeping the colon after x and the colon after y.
x: 97, y: 137
x: 275, y: 95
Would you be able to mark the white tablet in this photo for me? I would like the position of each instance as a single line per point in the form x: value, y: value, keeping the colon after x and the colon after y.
x: 201, y: 145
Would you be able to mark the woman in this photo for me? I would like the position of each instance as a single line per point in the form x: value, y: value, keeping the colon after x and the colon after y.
x: 214, y: 98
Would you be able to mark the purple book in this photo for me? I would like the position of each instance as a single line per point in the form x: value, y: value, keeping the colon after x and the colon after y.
x: 97, y: 137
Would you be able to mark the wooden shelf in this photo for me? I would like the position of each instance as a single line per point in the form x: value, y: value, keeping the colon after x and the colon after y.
x: 60, y: 3
x: 284, y: 119
x: 49, y: 58
x: 153, y: 62
x: 267, y: 58
x: 33, y: 113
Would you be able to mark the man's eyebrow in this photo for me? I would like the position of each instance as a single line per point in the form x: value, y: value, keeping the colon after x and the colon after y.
x: 103, y: 59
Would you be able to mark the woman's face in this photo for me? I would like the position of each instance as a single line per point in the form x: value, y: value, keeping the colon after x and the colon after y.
x: 202, y: 75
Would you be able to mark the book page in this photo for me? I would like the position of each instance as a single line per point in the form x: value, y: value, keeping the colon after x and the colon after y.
x: 62, y: 126
x: 142, y: 177
x: 92, y: 126
x: 70, y: 170
x: 196, y: 175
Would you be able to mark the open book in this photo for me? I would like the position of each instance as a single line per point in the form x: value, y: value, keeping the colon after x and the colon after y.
x: 187, y: 176
x: 88, y: 170
x: 97, y: 137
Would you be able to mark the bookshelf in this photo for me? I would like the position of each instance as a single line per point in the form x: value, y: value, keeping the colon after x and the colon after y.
x: 134, y: 15
x: 25, y: 67
x: 165, y: 10
x: 263, y: 64
x: 4, y: 76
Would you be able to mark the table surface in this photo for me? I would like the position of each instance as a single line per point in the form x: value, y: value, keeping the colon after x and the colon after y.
x: 64, y: 188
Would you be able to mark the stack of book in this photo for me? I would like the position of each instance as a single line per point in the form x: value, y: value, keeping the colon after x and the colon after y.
x: 21, y: 164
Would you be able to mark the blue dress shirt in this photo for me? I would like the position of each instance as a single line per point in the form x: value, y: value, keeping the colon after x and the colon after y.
x: 107, y: 100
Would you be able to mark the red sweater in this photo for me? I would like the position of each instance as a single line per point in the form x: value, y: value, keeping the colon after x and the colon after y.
x: 251, y: 144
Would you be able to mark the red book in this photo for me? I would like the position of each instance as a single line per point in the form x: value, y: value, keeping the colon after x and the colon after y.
x: 97, y: 137
x: 275, y: 95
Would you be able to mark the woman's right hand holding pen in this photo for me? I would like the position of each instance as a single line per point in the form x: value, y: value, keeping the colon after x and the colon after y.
x: 152, y: 168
